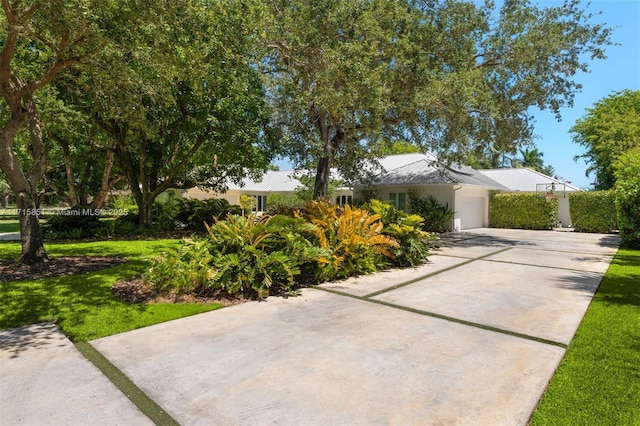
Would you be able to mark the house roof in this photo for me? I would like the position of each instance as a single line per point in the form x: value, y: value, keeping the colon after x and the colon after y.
x: 524, y: 179
x: 424, y: 169
x: 271, y: 181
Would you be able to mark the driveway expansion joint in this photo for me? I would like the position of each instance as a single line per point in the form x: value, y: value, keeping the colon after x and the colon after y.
x: 431, y: 274
x: 140, y: 399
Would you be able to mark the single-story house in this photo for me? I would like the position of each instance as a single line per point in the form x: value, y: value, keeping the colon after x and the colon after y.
x: 282, y: 182
x: 528, y: 180
x: 466, y: 191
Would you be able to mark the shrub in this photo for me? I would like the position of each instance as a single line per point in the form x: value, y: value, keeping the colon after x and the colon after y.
x: 523, y: 211
x: 284, y: 204
x: 71, y: 224
x: 627, y: 194
x: 437, y: 217
x: 247, y: 258
x: 192, y: 214
x: 406, y: 230
x: 352, y: 236
x: 187, y: 270
x: 593, y: 211
x: 239, y: 254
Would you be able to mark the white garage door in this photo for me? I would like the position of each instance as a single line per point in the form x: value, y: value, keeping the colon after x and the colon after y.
x: 471, y: 211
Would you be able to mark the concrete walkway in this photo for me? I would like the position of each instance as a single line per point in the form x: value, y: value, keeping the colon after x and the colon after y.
x: 9, y: 236
x: 472, y: 337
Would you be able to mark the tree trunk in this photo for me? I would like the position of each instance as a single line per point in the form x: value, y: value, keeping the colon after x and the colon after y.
x: 323, y: 172
x: 24, y: 185
x: 321, y: 186
x: 145, y: 211
x: 105, y: 184
x: 33, y: 251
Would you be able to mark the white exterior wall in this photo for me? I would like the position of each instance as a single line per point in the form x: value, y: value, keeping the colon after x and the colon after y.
x: 471, y: 208
x: 441, y: 192
x: 564, y: 215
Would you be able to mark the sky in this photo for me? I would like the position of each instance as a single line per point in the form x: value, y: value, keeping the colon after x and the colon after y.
x: 619, y: 71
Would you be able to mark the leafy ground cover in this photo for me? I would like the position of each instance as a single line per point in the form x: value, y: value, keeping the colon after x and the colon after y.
x: 83, y: 305
x: 9, y: 226
x: 598, y: 381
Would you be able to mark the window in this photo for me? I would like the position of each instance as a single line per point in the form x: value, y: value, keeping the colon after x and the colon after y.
x: 260, y: 203
x: 342, y: 200
x: 399, y: 200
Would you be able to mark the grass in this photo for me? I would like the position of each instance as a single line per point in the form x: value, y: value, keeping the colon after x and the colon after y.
x: 9, y: 226
x: 83, y: 305
x: 598, y: 381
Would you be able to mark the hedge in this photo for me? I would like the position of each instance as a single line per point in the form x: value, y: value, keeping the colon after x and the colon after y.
x: 522, y: 210
x: 593, y: 211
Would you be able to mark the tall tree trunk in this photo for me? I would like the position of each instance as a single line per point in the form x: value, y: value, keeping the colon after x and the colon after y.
x: 105, y: 184
x: 323, y: 172
x: 321, y: 186
x: 24, y: 185
x: 33, y: 251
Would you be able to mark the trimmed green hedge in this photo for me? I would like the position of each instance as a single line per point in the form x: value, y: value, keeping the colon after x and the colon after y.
x: 593, y: 211
x: 522, y: 210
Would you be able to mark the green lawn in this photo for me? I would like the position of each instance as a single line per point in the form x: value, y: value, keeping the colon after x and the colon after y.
x: 598, y: 381
x: 9, y: 226
x: 82, y: 305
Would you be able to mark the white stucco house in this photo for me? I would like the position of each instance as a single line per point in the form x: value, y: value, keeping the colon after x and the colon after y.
x: 528, y: 180
x: 272, y: 182
x: 466, y: 191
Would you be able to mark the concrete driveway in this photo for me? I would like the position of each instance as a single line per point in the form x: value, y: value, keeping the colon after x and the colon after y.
x: 472, y: 337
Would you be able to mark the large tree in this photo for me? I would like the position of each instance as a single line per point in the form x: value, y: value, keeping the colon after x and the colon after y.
x: 451, y: 76
x: 40, y: 40
x: 608, y: 130
x: 181, y: 100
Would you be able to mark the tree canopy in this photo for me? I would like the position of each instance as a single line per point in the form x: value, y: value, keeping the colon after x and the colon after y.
x: 40, y: 40
x: 452, y: 77
x: 170, y: 92
x: 180, y: 101
x: 608, y: 130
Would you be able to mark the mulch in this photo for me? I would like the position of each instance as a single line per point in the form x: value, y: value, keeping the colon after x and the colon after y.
x: 133, y: 290
x: 56, y: 267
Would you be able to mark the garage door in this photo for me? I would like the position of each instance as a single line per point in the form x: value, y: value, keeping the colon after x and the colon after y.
x: 471, y: 211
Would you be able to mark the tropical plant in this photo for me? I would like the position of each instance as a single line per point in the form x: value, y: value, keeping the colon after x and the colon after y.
x: 437, y: 217
x: 406, y: 230
x: 192, y: 214
x: 353, y: 237
x: 186, y: 270
x: 246, y: 258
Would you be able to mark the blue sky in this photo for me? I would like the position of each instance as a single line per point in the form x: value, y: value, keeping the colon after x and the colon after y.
x: 621, y: 70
